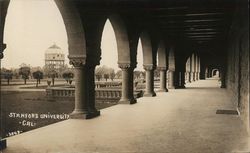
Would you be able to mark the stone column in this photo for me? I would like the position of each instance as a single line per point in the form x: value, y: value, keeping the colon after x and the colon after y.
x: 90, y: 69
x: 171, y: 79
x: 3, y: 143
x: 190, y: 77
x: 149, y: 91
x: 81, y: 110
x: 127, y: 91
x: 223, y: 79
x: 163, y: 87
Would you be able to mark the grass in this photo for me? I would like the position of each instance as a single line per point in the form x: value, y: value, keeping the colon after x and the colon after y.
x: 36, y: 103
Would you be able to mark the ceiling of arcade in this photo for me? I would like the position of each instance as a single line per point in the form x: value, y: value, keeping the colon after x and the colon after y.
x: 197, y: 22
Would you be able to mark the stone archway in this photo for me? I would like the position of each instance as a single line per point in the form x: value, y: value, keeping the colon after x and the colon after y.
x: 215, y: 72
x: 125, y: 58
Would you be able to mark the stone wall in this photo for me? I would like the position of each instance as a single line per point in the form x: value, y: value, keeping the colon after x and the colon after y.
x: 238, y: 61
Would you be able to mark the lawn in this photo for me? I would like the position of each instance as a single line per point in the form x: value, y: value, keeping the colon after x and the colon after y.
x: 24, y: 111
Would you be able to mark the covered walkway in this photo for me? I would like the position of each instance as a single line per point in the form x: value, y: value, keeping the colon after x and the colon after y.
x: 180, y: 121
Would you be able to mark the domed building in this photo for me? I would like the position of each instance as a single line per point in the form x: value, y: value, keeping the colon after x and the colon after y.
x: 54, y: 57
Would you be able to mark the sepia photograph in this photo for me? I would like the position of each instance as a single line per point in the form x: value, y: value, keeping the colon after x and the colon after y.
x: 124, y: 76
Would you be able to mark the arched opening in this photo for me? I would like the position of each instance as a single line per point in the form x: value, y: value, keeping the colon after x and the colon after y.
x: 188, y: 70
x: 108, y: 76
x: 29, y: 32
x: 139, y: 72
x: 215, y: 73
x: 125, y: 61
x: 109, y: 56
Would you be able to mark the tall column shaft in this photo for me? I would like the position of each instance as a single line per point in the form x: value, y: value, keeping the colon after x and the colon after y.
x: 149, y: 91
x: 179, y: 79
x: 163, y: 85
x: 82, y: 105
x: 127, y: 87
x: 171, y: 79
x: 190, y: 79
x: 223, y: 79
x: 90, y: 69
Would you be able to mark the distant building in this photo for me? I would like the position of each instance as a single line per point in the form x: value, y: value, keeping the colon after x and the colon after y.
x: 54, y: 57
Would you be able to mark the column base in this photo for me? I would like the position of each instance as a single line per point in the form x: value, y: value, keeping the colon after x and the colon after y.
x: 3, y: 144
x: 180, y: 87
x: 127, y: 101
x: 163, y: 90
x: 84, y: 115
x: 149, y: 94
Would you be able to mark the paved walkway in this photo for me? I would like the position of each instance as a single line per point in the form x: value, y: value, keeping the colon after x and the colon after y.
x: 180, y: 121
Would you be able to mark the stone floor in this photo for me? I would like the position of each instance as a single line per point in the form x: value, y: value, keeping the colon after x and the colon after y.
x: 180, y: 121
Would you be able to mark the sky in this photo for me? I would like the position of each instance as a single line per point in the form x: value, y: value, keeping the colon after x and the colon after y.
x: 32, y: 26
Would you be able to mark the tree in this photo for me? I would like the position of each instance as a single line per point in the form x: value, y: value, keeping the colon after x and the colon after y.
x: 24, y: 71
x: 112, y: 73
x: 7, y: 74
x: 68, y: 76
x: 38, y: 75
x: 106, y: 76
x: 98, y: 73
x: 118, y: 74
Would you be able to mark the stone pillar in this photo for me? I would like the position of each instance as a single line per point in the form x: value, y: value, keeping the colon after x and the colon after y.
x: 3, y: 143
x: 190, y: 79
x: 127, y: 91
x: 81, y: 110
x: 179, y: 79
x: 149, y: 91
x: 223, y: 79
x: 197, y: 76
x: 171, y: 79
x: 163, y: 87
x: 90, y: 69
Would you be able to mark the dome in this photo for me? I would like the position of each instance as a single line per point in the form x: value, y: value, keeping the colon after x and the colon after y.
x: 54, y: 49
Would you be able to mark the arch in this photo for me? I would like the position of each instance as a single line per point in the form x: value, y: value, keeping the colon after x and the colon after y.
x: 215, y: 71
x: 74, y: 28
x: 171, y: 59
x: 188, y: 64
x: 108, y: 44
x: 162, y: 55
x: 3, y: 11
x: 147, y: 49
x: 139, y: 56
x: 122, y: 39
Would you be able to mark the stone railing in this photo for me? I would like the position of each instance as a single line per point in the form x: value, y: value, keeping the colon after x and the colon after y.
x: 60, y: 92
x: 103, y: 94
x: 107, y: 84
x: 69, y: 92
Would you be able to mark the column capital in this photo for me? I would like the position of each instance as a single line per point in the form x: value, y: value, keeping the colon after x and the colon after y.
x: 77, y: 60
x: 124, y: 66
x: 161, y: 68
x: 148, y: 67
